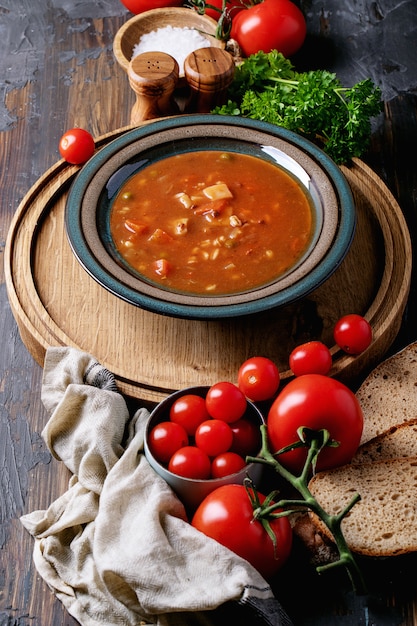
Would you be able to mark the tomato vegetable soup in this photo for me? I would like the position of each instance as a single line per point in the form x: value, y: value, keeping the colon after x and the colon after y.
x: 211, y: 222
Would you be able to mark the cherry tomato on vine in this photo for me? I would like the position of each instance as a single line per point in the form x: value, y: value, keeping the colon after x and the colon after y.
x: 353, y: 333
x: 76, y: 146
x: 246, y: 437
x: 270, y: 25
x: 225, y: 401
x: 226, y: 464
x: 226, y: 515
x: 312, y: 357
x: 258, y: 378
x: 190, y: 462
x: 138, y: 6
x: 234, y: 6
x: 316, y: 402
x: 214, y: 437
x: 165, y: 439
x: 189, y: 411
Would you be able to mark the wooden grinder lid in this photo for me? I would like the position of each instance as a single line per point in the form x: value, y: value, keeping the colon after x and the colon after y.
x: 153, y: 73
x: 209, y: 69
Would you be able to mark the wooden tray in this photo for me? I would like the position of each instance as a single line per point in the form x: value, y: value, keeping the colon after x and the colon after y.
x: 56, y: 303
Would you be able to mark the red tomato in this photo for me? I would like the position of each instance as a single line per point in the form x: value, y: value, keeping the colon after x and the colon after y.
x: 214, y: 437
x: 313, y: 357
x: 76, y: 146
x: 270, y: 25
x: 138, y: 6
x: 226, y: 464
x: 190, y: 462
x: 225, y: 401
x: 246, y: 438
x: 258, y: 378
x: 234, y: 6
x: 353, y: 333
x: 165, y: 439
x: 189, y: 411
x: 316, y: 402
x: 226, y: 515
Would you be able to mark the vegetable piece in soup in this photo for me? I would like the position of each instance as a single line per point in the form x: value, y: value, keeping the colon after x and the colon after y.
x: 211, y: 222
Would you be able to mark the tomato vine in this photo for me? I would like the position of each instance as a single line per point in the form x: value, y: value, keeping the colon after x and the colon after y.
x: 315, y: 441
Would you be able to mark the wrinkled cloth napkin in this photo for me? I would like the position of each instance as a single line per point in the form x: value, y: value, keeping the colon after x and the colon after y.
x: 116, y: 548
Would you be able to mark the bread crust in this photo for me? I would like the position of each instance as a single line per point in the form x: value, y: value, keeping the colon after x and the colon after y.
x: 383, y: 471
x: 384, y: 521
x: 388, y: 396
x: 396, y: 442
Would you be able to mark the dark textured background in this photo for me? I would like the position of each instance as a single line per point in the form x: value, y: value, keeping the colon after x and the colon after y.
x: 56, y: 71
x: 355, y: 38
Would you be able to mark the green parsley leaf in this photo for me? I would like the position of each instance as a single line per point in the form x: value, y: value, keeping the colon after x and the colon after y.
x: 314, y: 104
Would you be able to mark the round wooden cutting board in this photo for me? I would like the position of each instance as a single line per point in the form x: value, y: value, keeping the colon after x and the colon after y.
x: 56, y: 303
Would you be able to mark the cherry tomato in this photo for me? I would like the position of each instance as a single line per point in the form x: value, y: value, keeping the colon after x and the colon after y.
x: 214, y: 437
x: 270, y: 25
x: 76, y: 146
x: 226, y: 515
x: 226, y: 464
x: 246, y: 438
x: 138, y: 6
x: 234, y: 6
x: 190, y: 462
x: 313, y: 357
x: 258, y: 378
x: 189, y: 411
x: 353, y: 333
x: 165, y: 439
x: 225, y: 401
x: 316, y: 402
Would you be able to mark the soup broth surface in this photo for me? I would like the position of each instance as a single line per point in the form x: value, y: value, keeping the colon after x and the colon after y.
x: 211, y: 222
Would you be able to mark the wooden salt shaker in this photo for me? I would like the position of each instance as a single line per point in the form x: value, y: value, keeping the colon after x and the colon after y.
x: 208, y: 72
x: 153, y: 77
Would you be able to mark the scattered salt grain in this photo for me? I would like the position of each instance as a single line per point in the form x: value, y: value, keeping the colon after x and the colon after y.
x: 173, y: 40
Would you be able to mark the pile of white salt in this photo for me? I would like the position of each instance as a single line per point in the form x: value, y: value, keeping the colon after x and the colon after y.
x: 176, y: 41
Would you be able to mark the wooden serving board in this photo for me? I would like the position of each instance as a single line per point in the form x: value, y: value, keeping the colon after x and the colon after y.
x: 56, y: 303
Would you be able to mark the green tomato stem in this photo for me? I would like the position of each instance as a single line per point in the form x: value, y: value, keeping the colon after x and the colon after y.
x: 300, y: 483
x: 224, y: 23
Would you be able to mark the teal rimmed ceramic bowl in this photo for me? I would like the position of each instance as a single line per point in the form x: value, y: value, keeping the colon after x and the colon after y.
x: 89, y: 204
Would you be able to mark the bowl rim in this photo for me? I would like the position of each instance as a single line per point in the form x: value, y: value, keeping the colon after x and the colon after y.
x: 201, y: 307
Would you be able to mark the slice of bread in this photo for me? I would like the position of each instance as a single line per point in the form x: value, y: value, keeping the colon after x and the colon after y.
x: 388, y: 396
x: 398, y: 441
x: 384, y: 521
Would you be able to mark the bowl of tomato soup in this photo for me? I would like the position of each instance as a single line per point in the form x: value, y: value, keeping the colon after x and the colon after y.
x: 206, y: 216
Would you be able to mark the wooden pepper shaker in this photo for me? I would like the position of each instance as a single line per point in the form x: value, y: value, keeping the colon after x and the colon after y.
x: 153, y: 77
x: 208, y: 72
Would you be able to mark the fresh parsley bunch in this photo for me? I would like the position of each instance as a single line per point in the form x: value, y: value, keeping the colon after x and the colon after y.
x: 314, y: 104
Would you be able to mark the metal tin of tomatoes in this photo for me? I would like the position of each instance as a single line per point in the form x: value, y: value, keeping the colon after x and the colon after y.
x: 192, y: 491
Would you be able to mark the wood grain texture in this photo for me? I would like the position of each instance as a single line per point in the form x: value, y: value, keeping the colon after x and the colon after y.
x: 58, y: 71
x: 57, y: 303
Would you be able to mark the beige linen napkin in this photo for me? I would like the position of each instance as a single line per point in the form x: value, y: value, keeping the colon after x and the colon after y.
x: 115, y: 547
